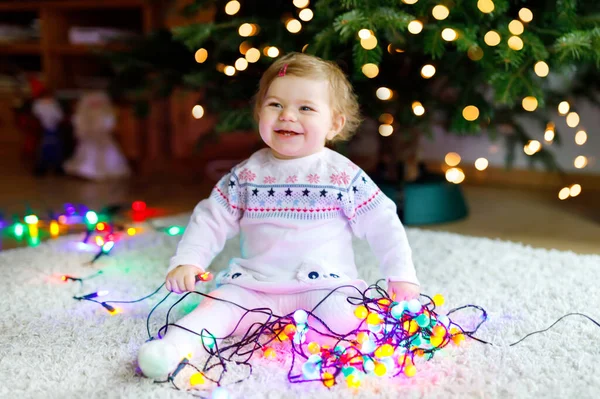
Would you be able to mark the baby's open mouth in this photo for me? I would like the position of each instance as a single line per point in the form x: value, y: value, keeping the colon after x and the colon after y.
x: 287, y: 132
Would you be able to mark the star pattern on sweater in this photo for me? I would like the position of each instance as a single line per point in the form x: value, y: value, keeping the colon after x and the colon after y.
x: 323, y: 193
x: 305, y: 192
x: 271, y: 192
x: 288, y: 193
x: 255, y: 192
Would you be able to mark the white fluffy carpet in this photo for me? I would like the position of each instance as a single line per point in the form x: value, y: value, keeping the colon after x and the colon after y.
x: 52, y: 346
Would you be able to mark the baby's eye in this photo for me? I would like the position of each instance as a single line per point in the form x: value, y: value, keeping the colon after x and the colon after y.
x: 305, y: 108
x: 274, y: 104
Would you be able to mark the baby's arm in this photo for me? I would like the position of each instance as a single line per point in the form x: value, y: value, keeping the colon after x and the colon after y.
x: 373, y: 217
x: 213, y: 221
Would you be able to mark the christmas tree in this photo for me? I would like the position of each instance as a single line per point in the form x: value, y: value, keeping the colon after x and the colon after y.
x: 472, y: 67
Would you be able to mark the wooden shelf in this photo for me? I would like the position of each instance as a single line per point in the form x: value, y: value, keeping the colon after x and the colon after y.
x: 86, y: 49
x: 12, y: 5
x: 33, y: 48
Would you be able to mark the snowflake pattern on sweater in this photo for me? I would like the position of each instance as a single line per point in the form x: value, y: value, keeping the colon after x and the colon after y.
x: 339, y: 189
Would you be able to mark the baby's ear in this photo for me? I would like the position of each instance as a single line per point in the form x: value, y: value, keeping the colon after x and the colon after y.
x: 337, y: 125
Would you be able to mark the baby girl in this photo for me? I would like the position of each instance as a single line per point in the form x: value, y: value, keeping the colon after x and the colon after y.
x: 296, y: 206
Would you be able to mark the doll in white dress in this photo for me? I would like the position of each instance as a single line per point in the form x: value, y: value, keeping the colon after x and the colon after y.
x: 97, y: 155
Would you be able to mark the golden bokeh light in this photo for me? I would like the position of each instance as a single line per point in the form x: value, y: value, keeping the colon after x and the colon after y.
x: 293, y: 26
x: 475, y: 53
x: 580, y: 137
x: 415, y: 27
x: 470, y: 113
x: 452, y: 159
x: 386, y: 118
x: 440, y: 12
x: 418, y: 108
x: 273, y: 52
x: 515, y: 43
x: 580, y: 162
x: 449, y: 34
x: 370, y: 70
x: 201, y: 55
x: 383, y: 93
x: 306, y: 14
x: 529, y: 103
x: 572, y: 119
x: 386, y: 130
x: 481, y: 164
x: 197, y: 111
x: 516, y: 27
x: 575, y: 190
x: 525, y: 14
x: 564, y: 107
x: 427, y: 71
x: 485, y: 6
x: 564, y: 193
x: 370, y: 43
x: 301, y: 3
x: 241, y: 64
x: 541, y: 69
x: 253, y: 54
x: 492, y: 38
x: 232, y: 7
x: 455, y: 175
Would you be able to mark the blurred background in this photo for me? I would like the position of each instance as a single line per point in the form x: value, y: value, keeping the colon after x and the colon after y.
x: 480, y: 117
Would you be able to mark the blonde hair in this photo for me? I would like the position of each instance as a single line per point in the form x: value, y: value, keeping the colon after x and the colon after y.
x: 342, y: 98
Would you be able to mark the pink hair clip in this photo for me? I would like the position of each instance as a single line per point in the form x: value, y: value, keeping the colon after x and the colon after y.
x: 283, y: 70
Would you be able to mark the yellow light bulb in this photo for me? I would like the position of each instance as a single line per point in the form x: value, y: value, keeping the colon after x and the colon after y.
x: 492, y: 38
x: 54, y: 228
x: 197, y: 379
x: 438, y: 299
x: 427, y: 71
x: 470, y: 113
x: 440, y: 12
x: 361, y: 312
x: 549, y: 135
x: 415, y: 27
x: 131, y: 231
x: 410, y: 370
x: 370, y: 70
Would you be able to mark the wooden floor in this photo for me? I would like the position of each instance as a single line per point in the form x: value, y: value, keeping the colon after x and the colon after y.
x: 534, y: 217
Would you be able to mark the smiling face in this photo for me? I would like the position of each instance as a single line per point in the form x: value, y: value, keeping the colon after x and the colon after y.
x: 296, y: 117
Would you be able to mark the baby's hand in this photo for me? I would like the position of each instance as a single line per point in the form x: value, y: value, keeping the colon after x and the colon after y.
x: 402, y: 291
x: 182, y: 278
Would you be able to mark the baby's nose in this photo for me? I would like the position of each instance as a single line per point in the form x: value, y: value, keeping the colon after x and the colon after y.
x: 287, y: 115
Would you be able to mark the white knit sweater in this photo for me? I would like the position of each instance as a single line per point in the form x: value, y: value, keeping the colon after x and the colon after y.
x: 296, y: 219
